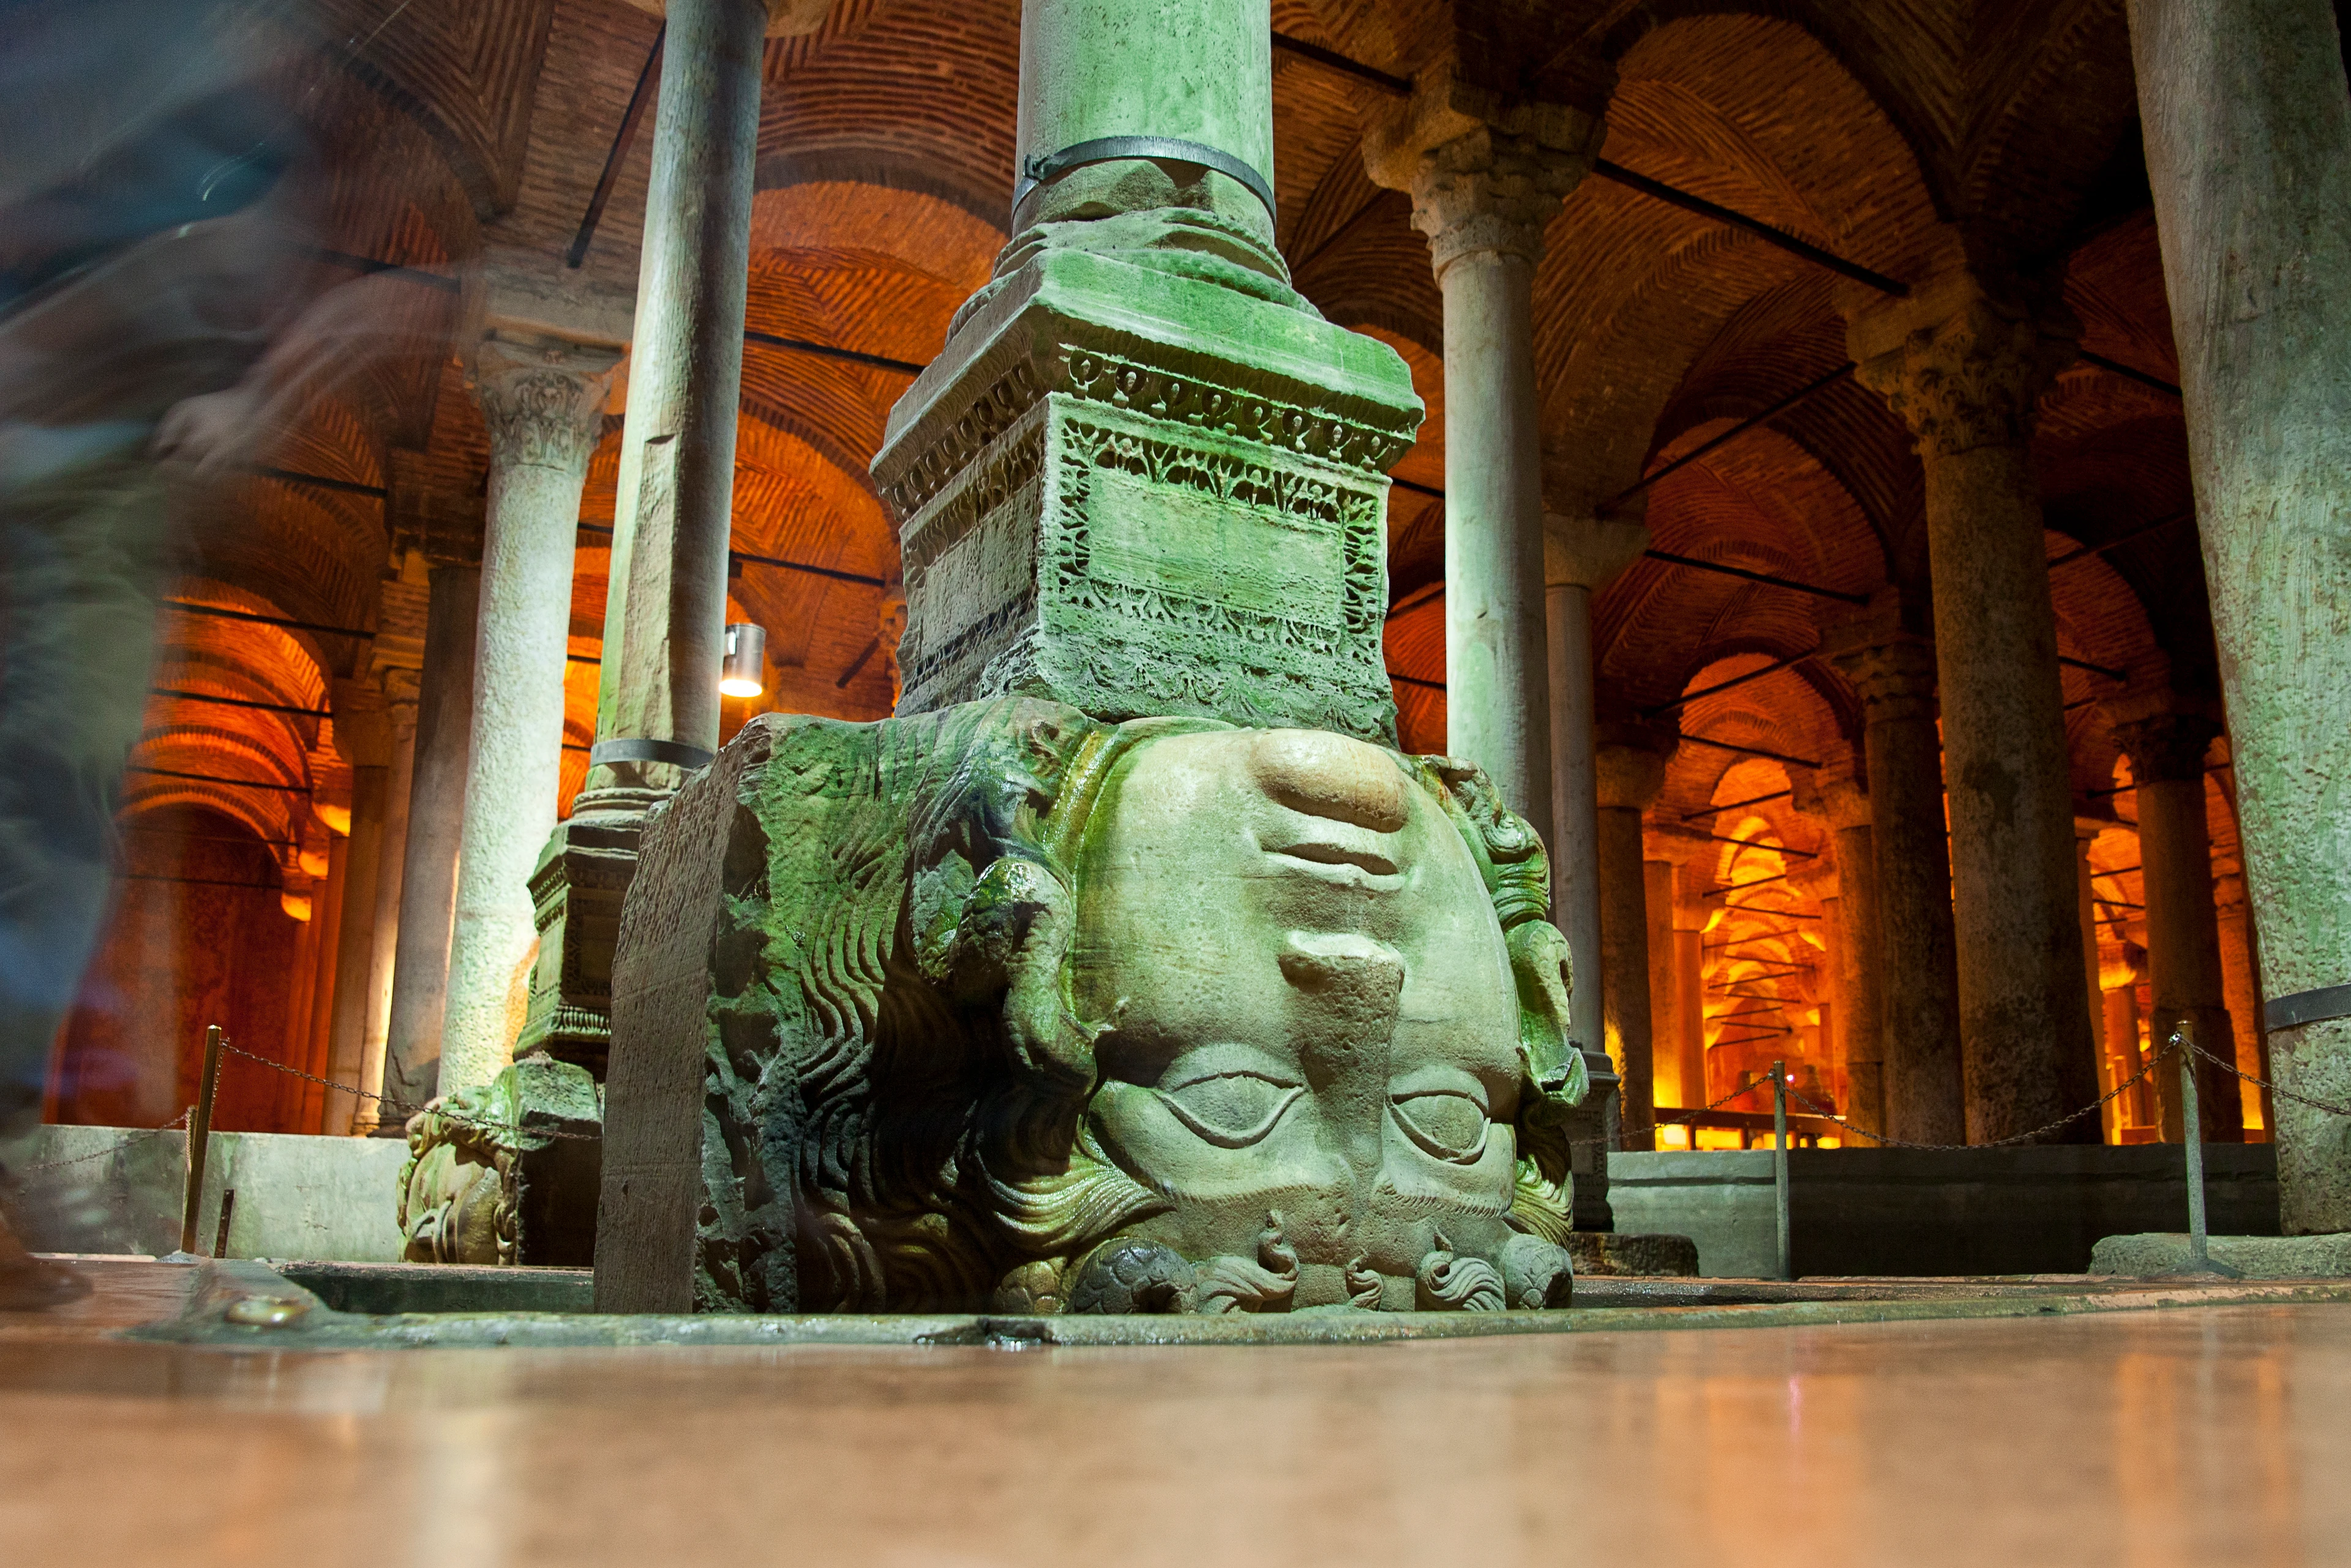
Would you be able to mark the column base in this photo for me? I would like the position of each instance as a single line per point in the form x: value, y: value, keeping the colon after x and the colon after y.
x: 576, y: 891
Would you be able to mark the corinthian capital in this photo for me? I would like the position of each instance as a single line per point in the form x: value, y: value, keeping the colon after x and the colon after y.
x: 543, y: 399
x: 1960, y: 366
x: 1483, y: 174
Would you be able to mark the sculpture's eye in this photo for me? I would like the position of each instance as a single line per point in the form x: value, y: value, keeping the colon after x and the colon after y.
x: 1231, y: 1110
x: 1444, y: 1123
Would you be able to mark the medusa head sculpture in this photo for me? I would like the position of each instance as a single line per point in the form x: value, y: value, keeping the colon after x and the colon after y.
x: 1012, y: 1010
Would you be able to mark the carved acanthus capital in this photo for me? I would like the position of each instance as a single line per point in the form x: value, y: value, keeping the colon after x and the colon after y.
x: 1590, y: 551
x: 1894, y: 677
x: 1961, y: 367
x: 1483, y: 174
x: 2166, y: 747
x: 543, y: 399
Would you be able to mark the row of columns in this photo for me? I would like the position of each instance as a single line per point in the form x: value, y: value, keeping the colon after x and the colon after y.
x: 1967, y: 941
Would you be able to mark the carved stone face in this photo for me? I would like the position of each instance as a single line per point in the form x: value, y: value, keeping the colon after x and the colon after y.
x: 1311, y: 1006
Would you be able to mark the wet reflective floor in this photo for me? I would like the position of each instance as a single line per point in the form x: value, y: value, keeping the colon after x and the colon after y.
x: 2193, y: 1435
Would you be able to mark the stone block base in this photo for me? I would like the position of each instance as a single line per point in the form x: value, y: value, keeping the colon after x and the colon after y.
x: 2255, y: 1257
x: 1603, y: 1252
x: 1913, y: 1212
x: 296, y: 1196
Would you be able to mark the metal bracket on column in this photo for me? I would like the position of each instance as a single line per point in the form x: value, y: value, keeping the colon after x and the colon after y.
x: 1103, y: 148
x: 2307, y: 1006
x: 636, y: 748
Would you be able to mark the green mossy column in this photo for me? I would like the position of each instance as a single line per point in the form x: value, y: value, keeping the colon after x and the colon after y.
x: 1198, y: 70
x: 2248, y: 131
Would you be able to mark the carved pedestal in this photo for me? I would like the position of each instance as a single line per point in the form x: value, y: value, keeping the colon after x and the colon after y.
x: 1141, y: 493
x: 576, y: 892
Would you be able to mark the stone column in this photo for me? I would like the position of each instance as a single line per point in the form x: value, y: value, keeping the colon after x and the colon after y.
x: 385, y: 926
x: 2248, y: 133
x: 2086, y: 831
x: 543, y: 402
x: 1858, y: 958
x: 665, y: 612
x: 355, y: 942
x: 437, y: 812
x: 2119, y: 983
x: 1581, y: 556
x: 2183, y: 932
x: 1665, y: 1084
x: 1483, y: 183
x: 1629, y: 777
x: 1678, y: 1029
x: 1964, y: 369
x: 1918, y: 1006
x: 326, y: 911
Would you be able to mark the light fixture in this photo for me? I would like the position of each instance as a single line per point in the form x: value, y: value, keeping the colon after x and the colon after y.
x: 746, y: 657
x: 297, y: 905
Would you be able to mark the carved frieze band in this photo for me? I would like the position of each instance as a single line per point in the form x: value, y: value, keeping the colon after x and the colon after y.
x: 1199, y: 402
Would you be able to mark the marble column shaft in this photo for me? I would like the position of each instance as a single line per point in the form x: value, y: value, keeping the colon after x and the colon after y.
x: 665, y: 615
x: 1692, y: 880
x: 383, y: 941
x: 1860, y: 962
x: 436, y: 815
x: 1581, y: 556
x: 355, y: 943
x: 2183, y: 928
x: 543, y: 402
x: 1924, y: 1086
x: 327, y: 910
x: 1665, y: 1059
x: 1629, y: 778
x: 2247, y: 126
x: 1963, y: 370
x: 1482, y: 194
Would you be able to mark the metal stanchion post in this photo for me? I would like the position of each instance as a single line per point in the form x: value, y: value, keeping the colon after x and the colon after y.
x: 200, y: 1138
x: 2191, y: 1132
x: 1780, y: 1164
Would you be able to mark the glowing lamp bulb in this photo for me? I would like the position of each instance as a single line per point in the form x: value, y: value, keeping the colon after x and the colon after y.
x: 746, y: 649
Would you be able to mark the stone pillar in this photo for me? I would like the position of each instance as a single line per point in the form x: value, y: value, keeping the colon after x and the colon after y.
x: 1677, y: 1027
x: 1667, y: 1085
x: 665, y: 612
x: 1919, y: 1008
x: 1483, y: 183
x: 1857, y: 957
x: 1581, y: 556
x: 326, y: 919
x: 2248, y: 133
x: 437, y: 812
x: 383, y: 948
x: 2086, y: 831
x: 1963, y: 370
x: 543, y: 401
x: 2119, y: 983
x: 355, y: 942
x: 2183, y: 932
x: 1629, y: 777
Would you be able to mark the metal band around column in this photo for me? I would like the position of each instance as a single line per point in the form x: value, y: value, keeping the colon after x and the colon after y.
x: 636, y: 748
x: 2307, y: 1006
x: 1103, y: 148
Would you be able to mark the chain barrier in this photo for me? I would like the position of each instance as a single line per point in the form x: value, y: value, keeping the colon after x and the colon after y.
x: 175, y: 1124
x: 2232, y: 1071
x: 2100, y: 1104
x: 1614, y: 1139
x: 514, y: 1128
x: 403, y: 1106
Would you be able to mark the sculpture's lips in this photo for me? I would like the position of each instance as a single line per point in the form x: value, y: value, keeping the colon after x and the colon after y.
x: 1353, y: 862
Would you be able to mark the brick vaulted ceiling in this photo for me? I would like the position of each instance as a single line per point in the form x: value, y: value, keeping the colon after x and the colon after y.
x: 454, y: 136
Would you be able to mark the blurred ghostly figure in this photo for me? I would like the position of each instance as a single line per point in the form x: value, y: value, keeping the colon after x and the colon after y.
x: 147, y: 256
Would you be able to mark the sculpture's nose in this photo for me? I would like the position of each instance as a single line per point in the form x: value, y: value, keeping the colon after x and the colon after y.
x: 1332, y: 777
x: 1345, y: 997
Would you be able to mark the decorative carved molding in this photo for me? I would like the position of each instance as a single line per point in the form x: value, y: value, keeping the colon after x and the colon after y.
x: 1962, y: 368
x: 544, y: 402
x: 2167, y: 748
